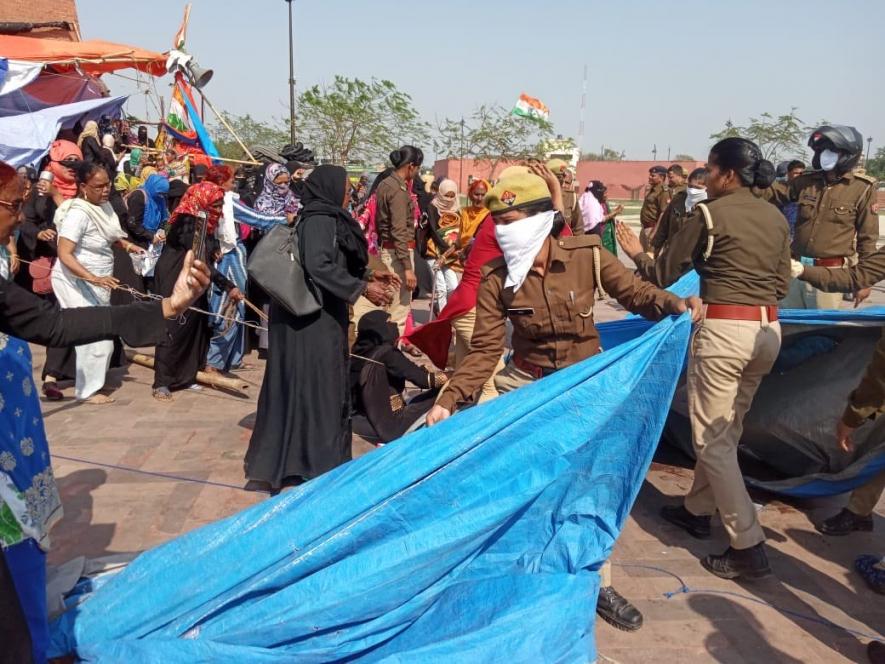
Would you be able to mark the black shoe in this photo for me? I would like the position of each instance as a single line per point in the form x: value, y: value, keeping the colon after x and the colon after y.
x: 696, y: 526
x: 747, y: 564
x: 617, y: 611
x: 876, y: 652
x: 845, y: 522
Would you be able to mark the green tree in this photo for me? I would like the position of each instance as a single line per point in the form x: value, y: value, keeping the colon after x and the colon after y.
x: 779, y: 137
x: 875, y: 165
x: 351, y: 120
x: 250, y: 131
x: 492, y: 134
x: 607, y: 154
x: 684, y: 157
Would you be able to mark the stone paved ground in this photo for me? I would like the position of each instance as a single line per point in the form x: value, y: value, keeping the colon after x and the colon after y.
x: 203, y: 435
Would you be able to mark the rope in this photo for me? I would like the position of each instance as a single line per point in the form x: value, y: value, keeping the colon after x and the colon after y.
x: 167, y: 476
x: 684, y: 589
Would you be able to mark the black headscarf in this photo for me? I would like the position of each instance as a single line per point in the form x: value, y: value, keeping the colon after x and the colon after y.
x: 375, y: 329
x: 323, y: 194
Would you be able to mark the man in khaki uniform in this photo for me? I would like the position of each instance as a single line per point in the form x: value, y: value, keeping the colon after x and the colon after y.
x: 395, y: 224
x: 867, y: 401
x: 834, y: 214
x: 681, y: 205
x: 573, y: 218
x: 545, y: 286
x: 656, y: 201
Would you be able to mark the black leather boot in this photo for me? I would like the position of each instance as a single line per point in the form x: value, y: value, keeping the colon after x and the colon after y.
x: 747, y: 564
x: 845, y: 522
x: 617, y: 611
x: 696, y: 526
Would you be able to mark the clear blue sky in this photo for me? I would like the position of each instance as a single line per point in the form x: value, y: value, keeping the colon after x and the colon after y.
x: 660, y: 73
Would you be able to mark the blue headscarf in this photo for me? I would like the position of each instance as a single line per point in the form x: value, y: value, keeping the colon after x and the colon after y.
x: 155, y: 211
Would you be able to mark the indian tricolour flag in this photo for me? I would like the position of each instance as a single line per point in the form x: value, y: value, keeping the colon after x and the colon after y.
x: 529, y: 107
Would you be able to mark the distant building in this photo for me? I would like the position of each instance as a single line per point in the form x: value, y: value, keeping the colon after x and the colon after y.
x: 46, y: 19
x: 626, y: 180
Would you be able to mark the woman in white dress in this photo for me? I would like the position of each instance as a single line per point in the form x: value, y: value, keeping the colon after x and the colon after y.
x: 88, y: 229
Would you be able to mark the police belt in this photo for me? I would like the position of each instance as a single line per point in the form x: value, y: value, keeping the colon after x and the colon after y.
x: 741, y: 312
x: 533, y: 370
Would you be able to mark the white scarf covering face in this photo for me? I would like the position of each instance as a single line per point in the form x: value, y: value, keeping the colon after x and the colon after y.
x: 520, y: 242
x: 694, y: 196
x: 103, y: 216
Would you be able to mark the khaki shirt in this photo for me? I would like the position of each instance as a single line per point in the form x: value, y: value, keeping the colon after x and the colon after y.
x: 573, y: 218
x: 655, y: 201
x: 750, y: 261
x: 672, y: 219
x: 831, y: 216
x: 552, y: 315
x: 394, y: 218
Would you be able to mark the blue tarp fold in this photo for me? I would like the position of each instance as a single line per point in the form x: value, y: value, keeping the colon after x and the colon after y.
x: 476, y: 540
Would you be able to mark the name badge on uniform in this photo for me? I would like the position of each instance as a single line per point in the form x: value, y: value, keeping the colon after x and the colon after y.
x: 521, y: 311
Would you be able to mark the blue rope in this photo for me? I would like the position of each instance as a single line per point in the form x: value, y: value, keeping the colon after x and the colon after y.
x: 167, y: 476
x: 685, y: 590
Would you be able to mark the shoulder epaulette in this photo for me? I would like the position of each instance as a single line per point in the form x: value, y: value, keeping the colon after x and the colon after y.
x: 492, y: 265
x: 579, y: 241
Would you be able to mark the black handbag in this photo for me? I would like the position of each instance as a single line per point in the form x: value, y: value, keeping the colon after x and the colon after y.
x: 276, y: 266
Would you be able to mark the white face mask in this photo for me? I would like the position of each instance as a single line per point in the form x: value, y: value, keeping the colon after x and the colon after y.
x: 828, y: 160
x: 693, y: 196
x: 520, y: 242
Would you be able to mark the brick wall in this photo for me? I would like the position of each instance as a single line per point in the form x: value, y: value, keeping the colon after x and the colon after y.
x: 38, y: 11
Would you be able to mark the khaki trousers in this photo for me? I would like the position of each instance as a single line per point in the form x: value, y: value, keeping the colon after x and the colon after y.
x: 727, y: 361
x: 463, y: 328
x: 645, y: 238
x: 402, y: 303
x: 511, y: 378
x: 805, y: 296
x: 865, y: 498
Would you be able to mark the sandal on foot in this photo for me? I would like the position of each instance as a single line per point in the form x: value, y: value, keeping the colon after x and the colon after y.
x: 52, y: 393
x: 162, y: 394
x: 99, y: 399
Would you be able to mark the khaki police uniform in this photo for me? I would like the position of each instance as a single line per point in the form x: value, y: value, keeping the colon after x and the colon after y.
x: 573, y: 217
x: 832, y: 221
x: 745, y: 272
x: 672, y: 219
x: 394, y: 222
x: 868, y: 400
x: 552, y: 317
x: 656, y: 201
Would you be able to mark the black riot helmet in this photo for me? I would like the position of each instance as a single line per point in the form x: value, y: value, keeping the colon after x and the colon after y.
x: 847, y: 141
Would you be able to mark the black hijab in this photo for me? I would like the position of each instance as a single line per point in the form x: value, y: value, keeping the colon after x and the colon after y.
x: 375, y: 329
x: 322, y: 194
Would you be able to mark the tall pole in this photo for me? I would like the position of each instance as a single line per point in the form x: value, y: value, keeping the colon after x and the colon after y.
x: 654, y: 152
x: 583, y: 113
x: 668, y: 153
x: 461, y: 160
x: 869, y: 143
x: 291, y: 79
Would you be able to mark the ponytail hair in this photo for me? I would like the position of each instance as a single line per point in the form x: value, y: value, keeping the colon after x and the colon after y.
x: 407, y: 154
x: 744, y: 158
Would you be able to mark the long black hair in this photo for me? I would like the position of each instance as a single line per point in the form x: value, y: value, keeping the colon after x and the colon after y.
x: 744, y: 158
x: 407, y: 154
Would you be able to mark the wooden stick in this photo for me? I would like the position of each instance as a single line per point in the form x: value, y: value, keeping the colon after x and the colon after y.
x: 210, y: 379
x: 226, y: 125
x: 193, y: 156
x: 258, y: 311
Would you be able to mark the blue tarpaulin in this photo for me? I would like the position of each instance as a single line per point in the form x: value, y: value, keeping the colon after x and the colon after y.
x: 25, y: 139
x: 477, y: 540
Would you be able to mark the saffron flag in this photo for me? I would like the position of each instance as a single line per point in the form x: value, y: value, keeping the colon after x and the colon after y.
x: 529, y: 107
x: 181, y: 35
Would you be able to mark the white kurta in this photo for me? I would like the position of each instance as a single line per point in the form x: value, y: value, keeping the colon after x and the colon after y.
x: 96, y: 255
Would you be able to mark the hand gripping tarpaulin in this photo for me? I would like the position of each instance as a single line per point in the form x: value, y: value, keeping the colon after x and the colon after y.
x: 477, y: 540
x: 788, y: 444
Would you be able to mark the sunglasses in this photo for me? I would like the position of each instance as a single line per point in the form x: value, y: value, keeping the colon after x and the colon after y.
x: 13, y: 206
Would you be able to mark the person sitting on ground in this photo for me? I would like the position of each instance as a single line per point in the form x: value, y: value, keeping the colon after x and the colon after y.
x: 378, y: 375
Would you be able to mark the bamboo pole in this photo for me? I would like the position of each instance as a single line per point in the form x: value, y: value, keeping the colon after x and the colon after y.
x: 258, y: 311
x: 226, y: 125
x: 210, y: 379
x: 193, y: 156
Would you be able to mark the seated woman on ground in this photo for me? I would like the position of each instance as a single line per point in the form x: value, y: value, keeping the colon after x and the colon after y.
x: 378, y: 375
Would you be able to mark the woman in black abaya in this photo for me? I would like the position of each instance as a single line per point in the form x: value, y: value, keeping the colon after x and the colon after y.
x: 302, y: 428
